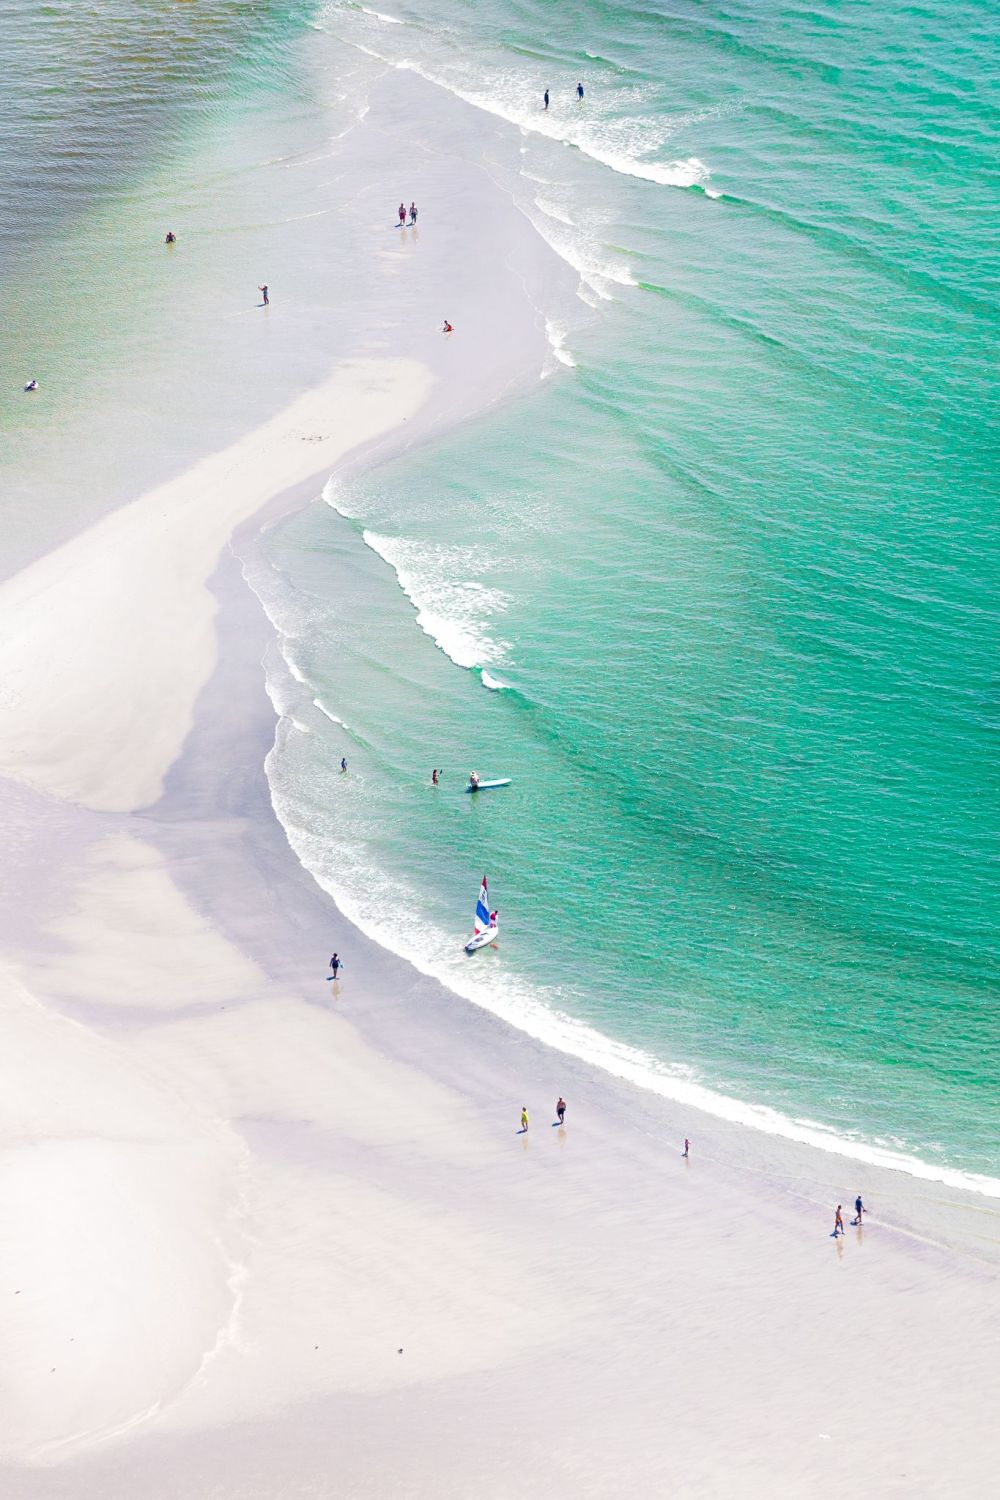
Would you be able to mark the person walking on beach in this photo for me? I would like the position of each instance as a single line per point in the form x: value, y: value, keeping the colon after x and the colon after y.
x: 263, y: 292
x: 524, y: 1118
x: 687, y: 1148
x: 335, y: 966
x: 859, y: 1209
x: 838, y: 1223
x: 413, y: 213
x: 545, y: 96
x: 579, y: 92
x: 561, y: 1110
x: 402, y: 215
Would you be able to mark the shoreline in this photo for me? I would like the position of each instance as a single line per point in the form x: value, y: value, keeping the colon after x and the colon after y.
x: 546, y: 1024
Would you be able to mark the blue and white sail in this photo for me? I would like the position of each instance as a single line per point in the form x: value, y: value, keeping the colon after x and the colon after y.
x: 482, y: 910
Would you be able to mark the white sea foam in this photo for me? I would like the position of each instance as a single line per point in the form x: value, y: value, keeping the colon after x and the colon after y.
x: 335, y: 494
x: 598, y: 273
x: 328, y: 712
x: 556, y: 336
x: 454, y: 609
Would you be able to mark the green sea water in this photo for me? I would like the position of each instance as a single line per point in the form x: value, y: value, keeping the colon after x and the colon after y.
x: 731, y: 576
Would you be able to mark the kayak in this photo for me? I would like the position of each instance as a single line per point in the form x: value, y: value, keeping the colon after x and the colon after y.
x: 487, y: 786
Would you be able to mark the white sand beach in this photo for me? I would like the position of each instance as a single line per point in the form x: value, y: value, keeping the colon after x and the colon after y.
x: 268, y: 1237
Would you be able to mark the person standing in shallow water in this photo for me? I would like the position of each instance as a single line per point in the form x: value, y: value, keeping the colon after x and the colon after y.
x: 335, y: 966
x: 579, y: 92
x: 402, y: 214
x: 413, y: 213
x: 859, y: 1209
x: 687, y: 1148
x: 561, y: 1109
x: 263, y: 292
x: 524, y: 1118
x: 838, y: 1223
x: 545, y: 96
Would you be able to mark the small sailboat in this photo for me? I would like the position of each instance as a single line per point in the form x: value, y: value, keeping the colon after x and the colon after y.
x: 485, y: 928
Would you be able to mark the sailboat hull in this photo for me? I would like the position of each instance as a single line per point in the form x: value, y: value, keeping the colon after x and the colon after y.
x: 482, y: 939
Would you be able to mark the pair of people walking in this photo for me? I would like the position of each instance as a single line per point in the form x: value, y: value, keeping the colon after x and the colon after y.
x: 402, y: 214
x: 560, y: 1114
x: 838, y: 1222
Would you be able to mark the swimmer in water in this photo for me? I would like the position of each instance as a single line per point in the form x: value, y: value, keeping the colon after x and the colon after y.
x: 32, y: 385
x: 447, y: 327
x: 171, y: 238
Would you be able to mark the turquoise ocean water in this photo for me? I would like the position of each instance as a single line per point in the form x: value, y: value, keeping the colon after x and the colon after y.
x: 720, y: 595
